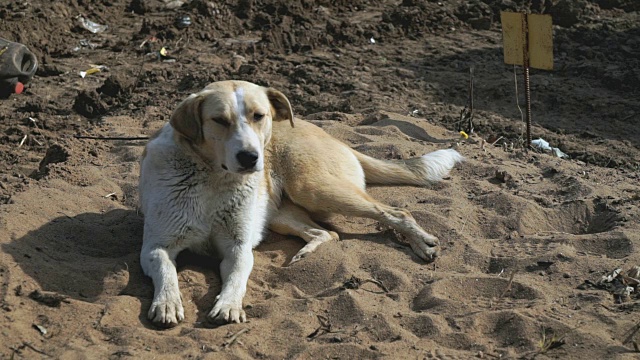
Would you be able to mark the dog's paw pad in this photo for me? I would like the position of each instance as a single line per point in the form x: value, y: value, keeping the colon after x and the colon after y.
x: 227, y: 313
x: 299, y: 256
x: 166, y: 313
x: 319, y: 237
x: 425, y: 247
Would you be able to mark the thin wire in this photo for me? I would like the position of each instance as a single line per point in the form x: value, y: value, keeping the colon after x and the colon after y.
x: 515, y: 81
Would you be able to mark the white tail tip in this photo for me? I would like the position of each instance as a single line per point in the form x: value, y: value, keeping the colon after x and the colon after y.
x: 439, y: 163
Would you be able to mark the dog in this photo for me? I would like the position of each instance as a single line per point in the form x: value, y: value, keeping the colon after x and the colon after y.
x: 232, y: 162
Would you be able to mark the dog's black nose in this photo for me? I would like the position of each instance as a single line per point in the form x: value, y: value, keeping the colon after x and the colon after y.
x: 247, y: 159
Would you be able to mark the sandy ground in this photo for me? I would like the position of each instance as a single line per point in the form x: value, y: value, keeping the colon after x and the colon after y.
x: 526, y: 235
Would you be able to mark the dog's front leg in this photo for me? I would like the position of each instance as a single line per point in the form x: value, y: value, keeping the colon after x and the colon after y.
x: 159, y: 264
x: 235, y: 269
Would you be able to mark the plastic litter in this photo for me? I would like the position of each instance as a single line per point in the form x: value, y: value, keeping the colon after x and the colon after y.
x: 183, y: 21
x: 164, y: 56
x: 84, y: 43
x: 88, y: 44
x: 40, y: 328
x: 17, y: 67
x: 94, y: 69
x: 174, y: 4
x: 620, y: 284
x: 372, y: 40
x: 544, y: 145
x: 91, y: 26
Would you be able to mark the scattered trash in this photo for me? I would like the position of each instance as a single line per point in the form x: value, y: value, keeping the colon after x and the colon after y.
x: 464, y: 135
x: 609, y: 278
x: 559, y: 153
x: 40, y: 328
x: 634, y: 272
x: 94, y: 69
x: 164, y: 57
x: 17, y: 67
x: 543, y: 145
x: 84, y: 43
x: 23, y: 140
x: 173, y: 4
x: 183, y: 21
x: 372, y: 40
x: 619, y: 284
x: 112, y: 196
x: 90, y: 25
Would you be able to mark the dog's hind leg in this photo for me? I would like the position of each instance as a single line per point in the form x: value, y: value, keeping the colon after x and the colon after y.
x: 350, y: 200
x: 294, y: 220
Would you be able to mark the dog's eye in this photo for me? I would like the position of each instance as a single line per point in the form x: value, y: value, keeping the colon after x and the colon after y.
x: 221, y: 121
x: 258, y: 117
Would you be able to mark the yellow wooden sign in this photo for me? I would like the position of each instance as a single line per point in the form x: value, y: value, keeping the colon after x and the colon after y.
x: 532, y: 31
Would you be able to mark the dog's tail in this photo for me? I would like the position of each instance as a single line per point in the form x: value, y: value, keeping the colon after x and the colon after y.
x: 428, y: 168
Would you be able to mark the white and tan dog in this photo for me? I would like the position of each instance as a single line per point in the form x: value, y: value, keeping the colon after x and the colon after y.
x: 231, y: 163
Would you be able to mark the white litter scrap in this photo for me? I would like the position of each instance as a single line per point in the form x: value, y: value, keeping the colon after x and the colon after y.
x: 611, y: 276
x: 544, y: 145
x: 173, y: 4
x: 91, y: 26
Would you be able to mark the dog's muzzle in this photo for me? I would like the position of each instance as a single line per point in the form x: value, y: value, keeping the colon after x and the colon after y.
x: 247, y: 159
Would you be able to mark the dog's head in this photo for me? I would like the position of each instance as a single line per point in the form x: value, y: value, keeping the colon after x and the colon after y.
x: 229, y: 123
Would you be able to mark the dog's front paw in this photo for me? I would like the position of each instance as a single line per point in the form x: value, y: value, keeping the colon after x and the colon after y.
x: 224, y: 313
x: 166, y: 311
x: 425, y: 246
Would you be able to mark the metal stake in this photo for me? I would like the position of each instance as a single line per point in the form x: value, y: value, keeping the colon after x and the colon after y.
x: 527, y: 83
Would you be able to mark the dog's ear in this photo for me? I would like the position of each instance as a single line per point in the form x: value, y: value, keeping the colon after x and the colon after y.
x: 281, y: 105
x: 187, y: 119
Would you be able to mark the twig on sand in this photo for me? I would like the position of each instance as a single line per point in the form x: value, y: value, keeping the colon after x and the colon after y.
x: 466, y: 114
x: 515, y: 81
x: 233, y: 338
x: 464, y: 224
x: 508, y: 288
x: 111, y: 138
x: 138, y: 77
x: 325, y: 328
x: 356, y: 283
x: 26, y: 345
